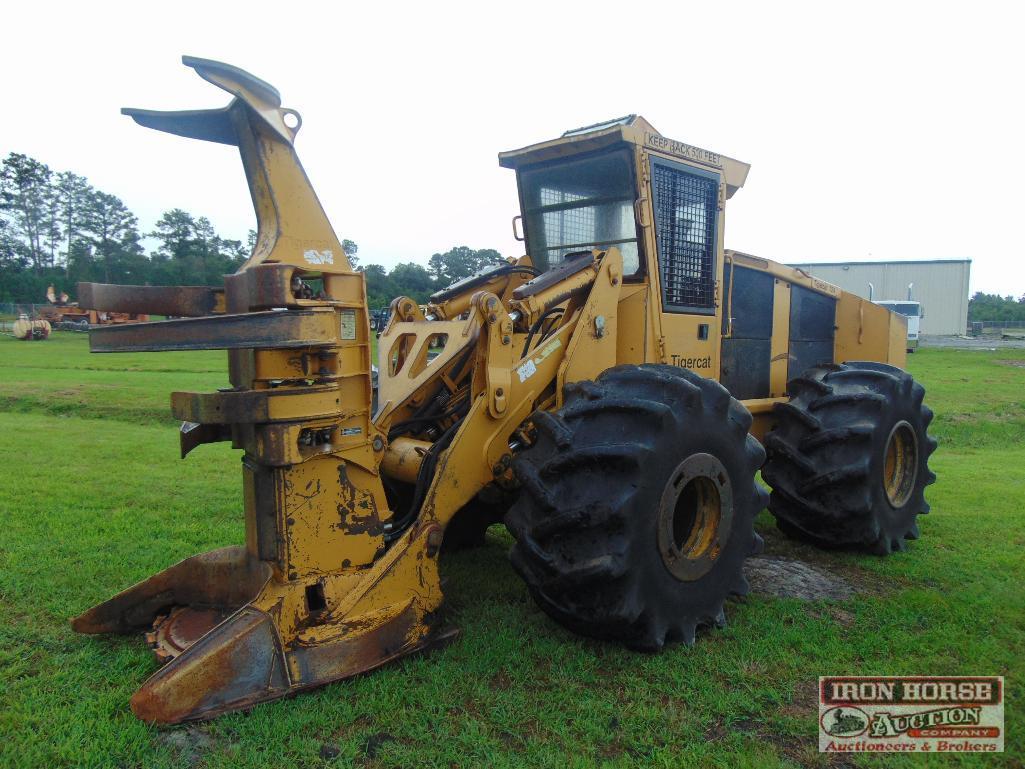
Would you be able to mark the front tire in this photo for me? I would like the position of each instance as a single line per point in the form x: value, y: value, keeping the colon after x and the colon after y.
x: 848, y: 459
x: 637, y: 506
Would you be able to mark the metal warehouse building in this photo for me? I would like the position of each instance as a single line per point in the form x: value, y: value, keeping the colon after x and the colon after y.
x: 941, y: 285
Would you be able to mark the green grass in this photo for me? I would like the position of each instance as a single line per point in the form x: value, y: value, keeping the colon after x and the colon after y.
x: 93, y: 498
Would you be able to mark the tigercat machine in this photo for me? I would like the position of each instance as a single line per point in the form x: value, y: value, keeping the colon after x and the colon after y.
x: 607, y: 395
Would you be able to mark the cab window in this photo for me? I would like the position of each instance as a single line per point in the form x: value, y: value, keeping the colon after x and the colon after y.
x: 580, y: 204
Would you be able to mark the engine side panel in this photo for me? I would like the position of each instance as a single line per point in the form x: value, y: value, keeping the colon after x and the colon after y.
x: 812, y: 329
x: 747, y: 336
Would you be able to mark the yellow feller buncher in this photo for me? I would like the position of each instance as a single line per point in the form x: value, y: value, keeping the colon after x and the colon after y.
x: 607, y: 395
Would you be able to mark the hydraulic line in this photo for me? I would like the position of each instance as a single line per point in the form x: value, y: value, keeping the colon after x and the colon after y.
x: 537, y: 326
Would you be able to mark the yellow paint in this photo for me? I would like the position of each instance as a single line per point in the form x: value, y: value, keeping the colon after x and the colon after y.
x: 779, y: 360
x: 315, y: 503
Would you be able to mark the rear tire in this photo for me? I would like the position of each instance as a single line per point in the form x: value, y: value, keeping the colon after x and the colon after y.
x: 637, y: 506
x: 848, y: 459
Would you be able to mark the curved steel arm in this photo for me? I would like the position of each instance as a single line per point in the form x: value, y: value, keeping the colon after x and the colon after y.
x: 292, y: 227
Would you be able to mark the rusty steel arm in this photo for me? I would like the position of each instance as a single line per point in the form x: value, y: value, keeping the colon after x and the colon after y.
x: 298, y: 328
x: 186, y: 301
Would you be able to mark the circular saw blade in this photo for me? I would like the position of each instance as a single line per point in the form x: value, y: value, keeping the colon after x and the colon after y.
x: 177, y: 630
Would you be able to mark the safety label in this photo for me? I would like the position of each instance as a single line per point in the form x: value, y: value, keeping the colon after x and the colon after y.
x: 348, y: 324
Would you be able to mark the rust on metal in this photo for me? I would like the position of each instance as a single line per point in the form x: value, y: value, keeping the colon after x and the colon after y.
x: 695, y: 516
x: 364, y: 651
x: 240, y: 663
x: 357, y: 510
x: 346, y: 510
x: 193, y: 434
x: 188, y: 301
x: 255, y: 406
x: 180, y: 628
x: 262, y: 287
x: 314, y: 596
x: 229, y: 577
x: 236, y: 664
x: 286, y: 329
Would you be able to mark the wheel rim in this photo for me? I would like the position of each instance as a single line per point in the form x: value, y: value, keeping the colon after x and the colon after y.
x: 900, y: 466
x: 695, y: 516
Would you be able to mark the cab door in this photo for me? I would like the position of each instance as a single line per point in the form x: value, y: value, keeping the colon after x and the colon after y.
x: 687, y: 233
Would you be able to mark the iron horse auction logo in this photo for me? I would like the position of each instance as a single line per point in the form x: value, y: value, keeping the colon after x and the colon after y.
x: 924, y: 714
x: 845, y: 723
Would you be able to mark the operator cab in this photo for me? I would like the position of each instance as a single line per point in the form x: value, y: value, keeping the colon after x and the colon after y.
x: 601, y: 185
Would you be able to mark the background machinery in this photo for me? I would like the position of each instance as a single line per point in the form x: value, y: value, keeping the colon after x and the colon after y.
x: 25, y: 328
x: 64, y: 314
x: 608, y: 394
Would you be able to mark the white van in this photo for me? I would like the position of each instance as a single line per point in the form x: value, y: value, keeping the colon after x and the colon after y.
x: 911, y: 310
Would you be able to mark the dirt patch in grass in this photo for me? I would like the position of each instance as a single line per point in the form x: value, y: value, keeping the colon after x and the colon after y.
x: 786, y: 578
x: 804, y: 699
x: 840, y: 564
x: 190, y: 743
x: 375, y: 742
x: 500, y: 681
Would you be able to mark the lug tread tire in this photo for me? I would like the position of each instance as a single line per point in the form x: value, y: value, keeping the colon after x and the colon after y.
x: 825, y: 455
x: 586, y: 520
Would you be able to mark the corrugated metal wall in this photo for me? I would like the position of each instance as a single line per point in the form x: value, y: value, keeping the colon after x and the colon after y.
x: 940, y: 285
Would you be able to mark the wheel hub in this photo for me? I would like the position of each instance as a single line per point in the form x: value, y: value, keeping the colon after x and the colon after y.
x: 900, y: 466
x: 695, y: 516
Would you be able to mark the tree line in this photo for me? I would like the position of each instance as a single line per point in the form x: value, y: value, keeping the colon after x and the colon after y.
x: 57, y: 229
x: 419, y: 282
x: 992, y: 307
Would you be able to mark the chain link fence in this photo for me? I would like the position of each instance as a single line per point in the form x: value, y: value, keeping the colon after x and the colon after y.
x: 14, y: 309
x: 992, y: 328
x: 998, y: 324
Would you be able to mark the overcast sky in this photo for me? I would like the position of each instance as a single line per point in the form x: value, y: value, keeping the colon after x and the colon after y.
x: 875, y: 131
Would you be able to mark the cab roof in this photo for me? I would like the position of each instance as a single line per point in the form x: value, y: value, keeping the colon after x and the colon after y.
x: 631, y: 129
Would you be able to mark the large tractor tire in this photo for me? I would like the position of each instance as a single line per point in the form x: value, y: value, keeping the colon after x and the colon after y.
x: 848, y: 458
x: 637, y: 506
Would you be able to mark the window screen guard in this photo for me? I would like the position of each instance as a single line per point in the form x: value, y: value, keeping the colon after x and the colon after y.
x: 686, y: 209
x: 579, y: 204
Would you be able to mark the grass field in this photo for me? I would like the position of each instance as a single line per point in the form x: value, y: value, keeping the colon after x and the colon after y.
x: 93, y: 498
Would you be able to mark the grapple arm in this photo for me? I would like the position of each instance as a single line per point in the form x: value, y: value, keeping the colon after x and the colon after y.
x: 326, y: 601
